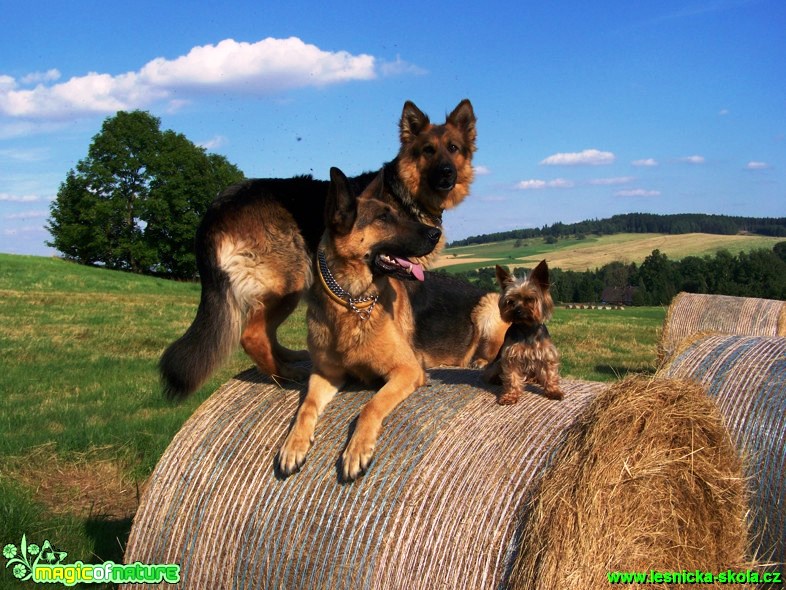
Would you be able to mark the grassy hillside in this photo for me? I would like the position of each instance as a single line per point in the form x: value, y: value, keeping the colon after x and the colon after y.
x: 82, y: 419
x: 593, y: 252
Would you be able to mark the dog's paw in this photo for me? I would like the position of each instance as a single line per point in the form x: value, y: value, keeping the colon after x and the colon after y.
x: 357, y: 456
x: 508, y: 398
x: 292, y: 455
x: 553, y: 393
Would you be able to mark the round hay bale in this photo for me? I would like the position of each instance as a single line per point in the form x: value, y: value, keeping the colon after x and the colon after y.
x: 690, y: 313
x: 647, y: 479
x: 441, y: 506
x: 747, y: 377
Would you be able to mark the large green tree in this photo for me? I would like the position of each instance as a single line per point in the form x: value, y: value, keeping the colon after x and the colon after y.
x: 135, y: 201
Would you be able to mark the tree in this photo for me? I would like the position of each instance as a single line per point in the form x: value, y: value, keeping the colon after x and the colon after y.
x: 135, y: 201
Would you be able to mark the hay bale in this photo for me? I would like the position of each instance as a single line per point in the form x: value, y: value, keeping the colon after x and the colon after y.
x: 747, y: 377
x: 441, y: 506
x: 647, y: 479
x: 691, y: 313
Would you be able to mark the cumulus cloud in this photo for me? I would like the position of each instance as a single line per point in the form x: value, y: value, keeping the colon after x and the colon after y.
x: 482, y: 170
x: 591, y: 157
x: 756, y: 165
x: 534, y: 184
x: 645, y: 163
x: 693, y: 159
x: 612, y: 181
x: 637, y: 192
x: 27, y: 215
x: 261, y: 68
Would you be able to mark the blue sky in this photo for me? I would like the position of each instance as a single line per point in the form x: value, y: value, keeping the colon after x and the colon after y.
x: 585, y: 109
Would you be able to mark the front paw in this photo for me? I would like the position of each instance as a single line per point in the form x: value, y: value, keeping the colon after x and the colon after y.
x: 292, y: 455
x: 357, y: 456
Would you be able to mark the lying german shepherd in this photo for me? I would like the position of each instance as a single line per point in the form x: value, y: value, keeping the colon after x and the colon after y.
x: 256, y: 242
x: 365, y: 319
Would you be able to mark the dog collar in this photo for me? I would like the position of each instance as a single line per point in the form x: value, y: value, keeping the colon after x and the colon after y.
x: 362, y: 306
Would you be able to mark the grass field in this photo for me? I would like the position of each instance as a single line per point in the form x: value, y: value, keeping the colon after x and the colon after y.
x: 593, y: 252
x: 82, y: 419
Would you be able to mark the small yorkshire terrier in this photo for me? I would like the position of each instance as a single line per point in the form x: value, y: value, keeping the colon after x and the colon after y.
x: 527, y: 354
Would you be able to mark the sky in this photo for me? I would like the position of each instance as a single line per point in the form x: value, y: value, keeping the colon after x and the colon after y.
x: 584, y: 109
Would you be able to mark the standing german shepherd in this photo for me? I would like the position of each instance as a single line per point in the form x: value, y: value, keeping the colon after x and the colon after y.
x: 255, y: 246
x: 367, y: 321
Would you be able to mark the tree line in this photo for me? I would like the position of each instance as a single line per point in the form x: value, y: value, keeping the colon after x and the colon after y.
x: 636, y: 223
x: 758, y: 273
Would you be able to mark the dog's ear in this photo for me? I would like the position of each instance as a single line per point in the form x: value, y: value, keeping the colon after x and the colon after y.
x: 504, y: 278
x: 341, y: 205
x: 540, y: 276
x: 413, y: 121
x: 463, y: 117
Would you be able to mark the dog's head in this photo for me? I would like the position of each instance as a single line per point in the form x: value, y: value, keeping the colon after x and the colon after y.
x: 366, y: 231
x: 525, y: 301
x: 435, y: 161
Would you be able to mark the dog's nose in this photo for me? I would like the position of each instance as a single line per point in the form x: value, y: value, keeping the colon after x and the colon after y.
x: 447, y: 171
x: 434, y: 234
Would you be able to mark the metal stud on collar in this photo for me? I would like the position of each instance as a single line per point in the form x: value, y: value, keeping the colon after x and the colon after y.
x: 362, y: 306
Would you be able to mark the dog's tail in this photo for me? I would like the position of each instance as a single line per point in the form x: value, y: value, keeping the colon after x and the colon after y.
x: 213, y: 335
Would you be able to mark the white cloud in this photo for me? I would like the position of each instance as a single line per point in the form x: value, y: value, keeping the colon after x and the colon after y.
x: 756, y: 165
x: 399, y: 67
x: 693, y: 159
x: 214, y: 142
x: 39, y: 77
x: 19, y: 198
x: 591, y: 157
x: 534, y: 184
x: 723, y: 112
x: 482, y: 170
x: 612, y: 181
x: 28, y: 229
x: 637, y: 192
x: 28, y: 155
x: 262, y: 68
x: 646, y: 162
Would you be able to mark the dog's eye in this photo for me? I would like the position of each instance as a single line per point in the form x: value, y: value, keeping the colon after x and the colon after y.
x: 453, y: 148
x: 429, y: 150
x: 384, y: 216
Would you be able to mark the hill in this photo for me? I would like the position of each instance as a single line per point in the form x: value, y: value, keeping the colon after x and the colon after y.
x: 592, y: 252
x: 682, y: 223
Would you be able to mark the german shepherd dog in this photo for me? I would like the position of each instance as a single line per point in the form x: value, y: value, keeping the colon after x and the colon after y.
x: 366, y: 320
x: 255, y: 246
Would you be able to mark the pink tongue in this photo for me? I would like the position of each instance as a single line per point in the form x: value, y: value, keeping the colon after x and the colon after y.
x: 417, y: 270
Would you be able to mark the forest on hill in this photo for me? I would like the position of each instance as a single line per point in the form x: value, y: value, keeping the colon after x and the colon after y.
x: 682, y: 223
x: 758, y: 273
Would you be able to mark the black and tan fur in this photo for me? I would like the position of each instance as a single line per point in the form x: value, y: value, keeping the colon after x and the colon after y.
x: 413, y: 325
x: 255, y: 246
x: 528, y: 354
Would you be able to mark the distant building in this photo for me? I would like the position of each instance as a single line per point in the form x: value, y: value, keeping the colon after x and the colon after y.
x: 618, y: 295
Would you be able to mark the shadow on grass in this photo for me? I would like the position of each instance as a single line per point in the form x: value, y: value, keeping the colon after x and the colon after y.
x: 109, y: 536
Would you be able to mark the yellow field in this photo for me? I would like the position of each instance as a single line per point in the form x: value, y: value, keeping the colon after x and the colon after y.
x: 593, y: 253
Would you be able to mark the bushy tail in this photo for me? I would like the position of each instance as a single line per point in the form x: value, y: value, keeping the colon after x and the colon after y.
x: 214, y: 334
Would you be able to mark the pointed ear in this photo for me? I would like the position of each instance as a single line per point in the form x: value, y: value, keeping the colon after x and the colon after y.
x: 463, y: 117
x: 413, y: 121
x: 504, y: 278
x: 341, y: 204
x: 540, y: 276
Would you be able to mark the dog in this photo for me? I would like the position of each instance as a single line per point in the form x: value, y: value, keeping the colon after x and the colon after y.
x: 527, y: 355
x: 373, y: 313
x: 255, y: 246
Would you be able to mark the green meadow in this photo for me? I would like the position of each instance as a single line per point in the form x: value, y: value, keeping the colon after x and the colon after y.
x: 82, y: 418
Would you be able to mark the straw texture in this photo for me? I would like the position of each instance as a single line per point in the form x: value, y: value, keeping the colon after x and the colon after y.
x: 439, y: 507
x: 690, y: 313
x: 443, y: 505
x: 747, y: 377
